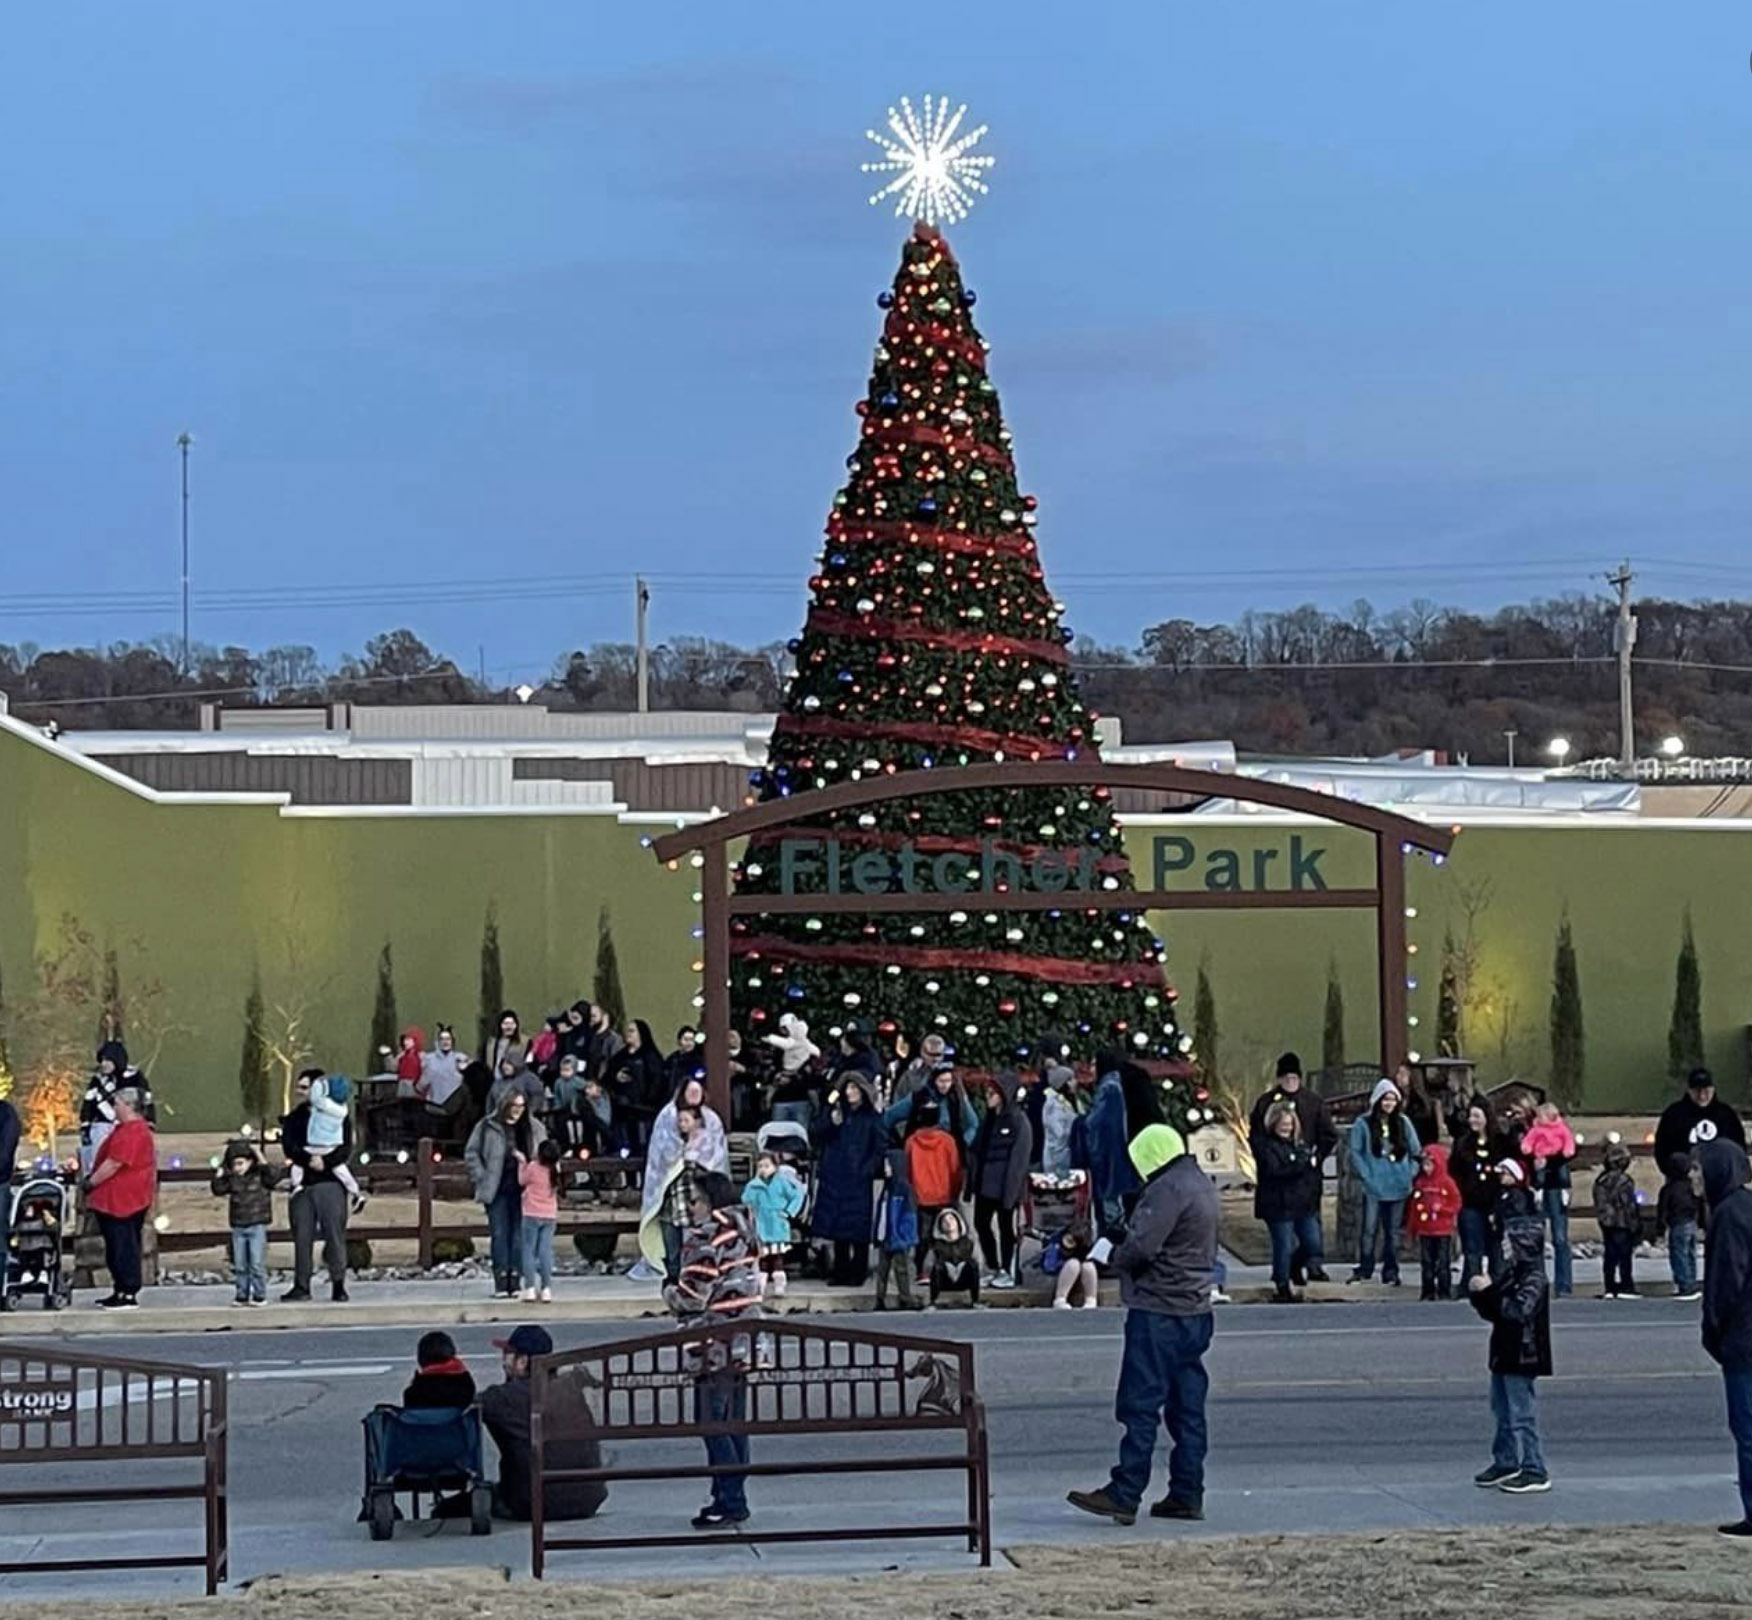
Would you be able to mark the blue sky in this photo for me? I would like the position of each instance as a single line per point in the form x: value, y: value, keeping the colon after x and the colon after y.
x: 1288, y: 302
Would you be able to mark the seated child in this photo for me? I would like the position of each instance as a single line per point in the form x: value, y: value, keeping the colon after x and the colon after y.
x: 440, y: 1378
x: 1076, y: 1269
x: 952, y: 1266
x: 329, y: 1097
x: 776, y: 1197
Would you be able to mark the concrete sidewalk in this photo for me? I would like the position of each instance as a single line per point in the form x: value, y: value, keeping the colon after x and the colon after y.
x: 448, y: 1302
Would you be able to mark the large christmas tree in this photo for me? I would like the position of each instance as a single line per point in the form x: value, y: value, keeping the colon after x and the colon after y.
x: 932, y: 641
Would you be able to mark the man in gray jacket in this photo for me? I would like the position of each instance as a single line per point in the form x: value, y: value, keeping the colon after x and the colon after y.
x: 1166, y: 1265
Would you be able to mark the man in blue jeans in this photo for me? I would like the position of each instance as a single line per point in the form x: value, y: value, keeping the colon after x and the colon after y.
x: 1166, y: 1265
x: 1727, y: 1302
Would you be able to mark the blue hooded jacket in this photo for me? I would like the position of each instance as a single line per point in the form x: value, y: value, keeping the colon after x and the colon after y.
x: 1385, y: 1177
x: 1111, y: 1173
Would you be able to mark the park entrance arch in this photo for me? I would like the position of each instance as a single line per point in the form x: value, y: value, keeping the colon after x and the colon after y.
x: 1395, y: 837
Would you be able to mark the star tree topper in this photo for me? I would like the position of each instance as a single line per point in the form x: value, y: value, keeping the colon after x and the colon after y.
x: 932, y: 178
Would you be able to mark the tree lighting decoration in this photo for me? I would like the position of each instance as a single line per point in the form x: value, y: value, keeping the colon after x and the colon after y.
x: 933, y: 641
x: 933, y: 178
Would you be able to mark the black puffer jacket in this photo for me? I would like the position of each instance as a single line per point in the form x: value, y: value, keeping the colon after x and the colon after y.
x: 1289, y: 1180
x: 249, y: 1192
x: 1518, y: 1306
x: 1727, y: 1272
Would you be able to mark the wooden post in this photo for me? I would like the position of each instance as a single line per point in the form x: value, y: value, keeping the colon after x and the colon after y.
x: 1390, y: 949
x: 715, y: 924
x: 423, y: 1184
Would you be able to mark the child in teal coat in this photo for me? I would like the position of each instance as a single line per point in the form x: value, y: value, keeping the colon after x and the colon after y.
x: 776, y: 1197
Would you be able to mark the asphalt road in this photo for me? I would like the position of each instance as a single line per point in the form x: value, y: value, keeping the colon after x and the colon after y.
x: 1322, y: 1418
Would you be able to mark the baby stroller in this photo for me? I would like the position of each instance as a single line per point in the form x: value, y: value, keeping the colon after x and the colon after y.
x: 42, y: 1211
x: 789, y: 1143
x: 423, y: 1452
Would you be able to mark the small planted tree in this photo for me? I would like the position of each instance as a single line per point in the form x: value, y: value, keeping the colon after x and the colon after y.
x: 1332, y: 1030
x: 110, y: 1016
x: 492, y: 977
x: 252, y: 1062
x: 606, y: 990
x: 1685, y: 1030
x: 1205, y: 1035
x: 1566, y: 1021
x: 383, y: 1019
x: 1449, y: 999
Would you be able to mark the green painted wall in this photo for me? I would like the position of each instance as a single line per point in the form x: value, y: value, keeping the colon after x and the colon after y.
x: 208, y: 891
x: 1625, y: 886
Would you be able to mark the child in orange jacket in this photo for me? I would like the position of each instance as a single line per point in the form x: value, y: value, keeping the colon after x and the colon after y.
x: 1431, y: 1215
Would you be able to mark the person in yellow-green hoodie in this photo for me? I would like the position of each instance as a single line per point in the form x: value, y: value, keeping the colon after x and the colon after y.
x: 1166, y: 1264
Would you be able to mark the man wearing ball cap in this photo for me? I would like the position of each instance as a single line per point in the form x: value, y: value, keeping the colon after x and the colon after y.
x: 505, y: 1409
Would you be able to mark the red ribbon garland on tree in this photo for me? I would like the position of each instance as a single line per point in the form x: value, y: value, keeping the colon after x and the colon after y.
x: 866, y: 626
x: 929, y: 736
x: 923, y: 433
x: 1057, y: 969
x: 900, y: 532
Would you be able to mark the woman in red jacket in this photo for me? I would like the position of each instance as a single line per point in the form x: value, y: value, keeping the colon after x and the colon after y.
x: 124, y: 1181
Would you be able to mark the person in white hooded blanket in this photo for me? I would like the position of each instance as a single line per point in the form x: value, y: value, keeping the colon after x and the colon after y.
x: 794, y: 1095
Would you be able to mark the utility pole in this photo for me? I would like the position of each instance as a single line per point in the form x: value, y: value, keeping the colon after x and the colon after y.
x: 183, y: 442
x: 641, y: 607
x: 1511, y: 735
x: 1623, y: 640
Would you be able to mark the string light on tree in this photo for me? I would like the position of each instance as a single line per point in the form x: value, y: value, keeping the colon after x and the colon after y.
x: 933, y: 641
x: 933, y: 178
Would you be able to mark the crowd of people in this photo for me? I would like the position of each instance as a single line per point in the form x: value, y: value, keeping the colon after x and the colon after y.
x: 912, y: 1169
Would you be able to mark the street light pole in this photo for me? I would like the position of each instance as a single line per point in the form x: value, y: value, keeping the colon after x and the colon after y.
x: 1511, y: 735
x: 183, y: 441
x: 641, y: 606
x: 1623, y: 640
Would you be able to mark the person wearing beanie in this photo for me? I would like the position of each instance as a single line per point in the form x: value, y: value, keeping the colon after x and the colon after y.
x: 1166, y: 1264
x: 1514, y: 1200
x: 1384, y: 1157
x: 1518, y: 1307
x: 1727, y: 1302
x: 1699, y: 1116
x: 1317, y: 1135
x: 97, y: 1112
x: 247, y: 1180
x: 1058, y: 1119
x: 1620, y: 1218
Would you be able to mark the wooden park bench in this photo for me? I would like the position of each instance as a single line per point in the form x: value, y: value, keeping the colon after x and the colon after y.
x: 802, y: 1381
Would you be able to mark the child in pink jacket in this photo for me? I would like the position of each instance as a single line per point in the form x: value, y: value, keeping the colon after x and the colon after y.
x: 1548, y: 1145
x: 540, y: 1179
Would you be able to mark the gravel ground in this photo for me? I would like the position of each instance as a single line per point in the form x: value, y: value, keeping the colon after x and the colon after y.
x: 1654, y: 1572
